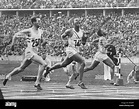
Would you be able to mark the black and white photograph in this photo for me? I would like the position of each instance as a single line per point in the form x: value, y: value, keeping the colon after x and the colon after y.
x: 69, y: 50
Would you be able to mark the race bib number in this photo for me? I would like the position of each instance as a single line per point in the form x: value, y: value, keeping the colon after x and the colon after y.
x: 35, y: 42
x: 77, y: 42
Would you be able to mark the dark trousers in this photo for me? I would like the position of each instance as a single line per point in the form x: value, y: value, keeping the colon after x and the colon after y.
x: 114, y: 59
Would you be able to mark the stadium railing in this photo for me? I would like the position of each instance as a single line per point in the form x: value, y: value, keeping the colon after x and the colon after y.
x: 52, y: 11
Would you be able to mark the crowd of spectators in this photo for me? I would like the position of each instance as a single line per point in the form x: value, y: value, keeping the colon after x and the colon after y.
x: 122, y: 26
x: 37, y: 4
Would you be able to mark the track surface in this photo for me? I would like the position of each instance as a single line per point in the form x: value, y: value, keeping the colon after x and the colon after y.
x: 25, y: 90
x: 55, y: 89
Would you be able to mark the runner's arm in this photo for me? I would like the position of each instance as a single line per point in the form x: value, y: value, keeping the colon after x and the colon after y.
x: 94, y: 42
x: 100, y: 31
x: 66, y: 33
x: 19, y: 34
x: 84, y: 38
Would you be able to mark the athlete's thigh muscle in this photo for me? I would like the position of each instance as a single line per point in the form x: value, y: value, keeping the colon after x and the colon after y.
x: 25, y: 63
x: 38, y: 59
x: 109, y: 62
x: 77, y: 57
x: 67, y: 61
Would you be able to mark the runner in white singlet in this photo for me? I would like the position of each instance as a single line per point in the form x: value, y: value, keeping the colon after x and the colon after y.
x: 101, y: 56
x: 74, y: 42
x: 73, y: 36
x: 33, y: 39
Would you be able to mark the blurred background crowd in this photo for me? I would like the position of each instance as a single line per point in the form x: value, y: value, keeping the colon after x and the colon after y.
x: 35, y: 4
x: 122, y: 26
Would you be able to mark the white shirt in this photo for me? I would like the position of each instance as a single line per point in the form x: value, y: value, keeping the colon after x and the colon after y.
x: 76, y: 37
x: 101, y: 45
x: 33, y: 37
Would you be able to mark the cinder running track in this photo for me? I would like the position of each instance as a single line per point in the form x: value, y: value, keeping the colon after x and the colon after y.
x: 25, y: 90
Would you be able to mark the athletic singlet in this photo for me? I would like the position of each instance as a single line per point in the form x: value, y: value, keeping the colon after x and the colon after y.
x: 101, y: 45
x: 33, y: 38
x: 75, y: 39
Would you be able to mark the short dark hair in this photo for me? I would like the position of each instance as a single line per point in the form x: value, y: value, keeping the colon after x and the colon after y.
x: 33, y: 19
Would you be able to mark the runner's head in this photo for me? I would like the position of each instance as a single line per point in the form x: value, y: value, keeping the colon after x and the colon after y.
x: 35, y: 21
x: 76, y: 22
x: 102, y: 41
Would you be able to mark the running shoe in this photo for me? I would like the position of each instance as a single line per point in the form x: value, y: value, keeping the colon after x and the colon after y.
x: 38, y: 87
x: 69, y: 86
x: 82, y: 85
x: 5, y: 81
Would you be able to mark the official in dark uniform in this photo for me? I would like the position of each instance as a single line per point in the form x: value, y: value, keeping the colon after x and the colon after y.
x: 111, y: 52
